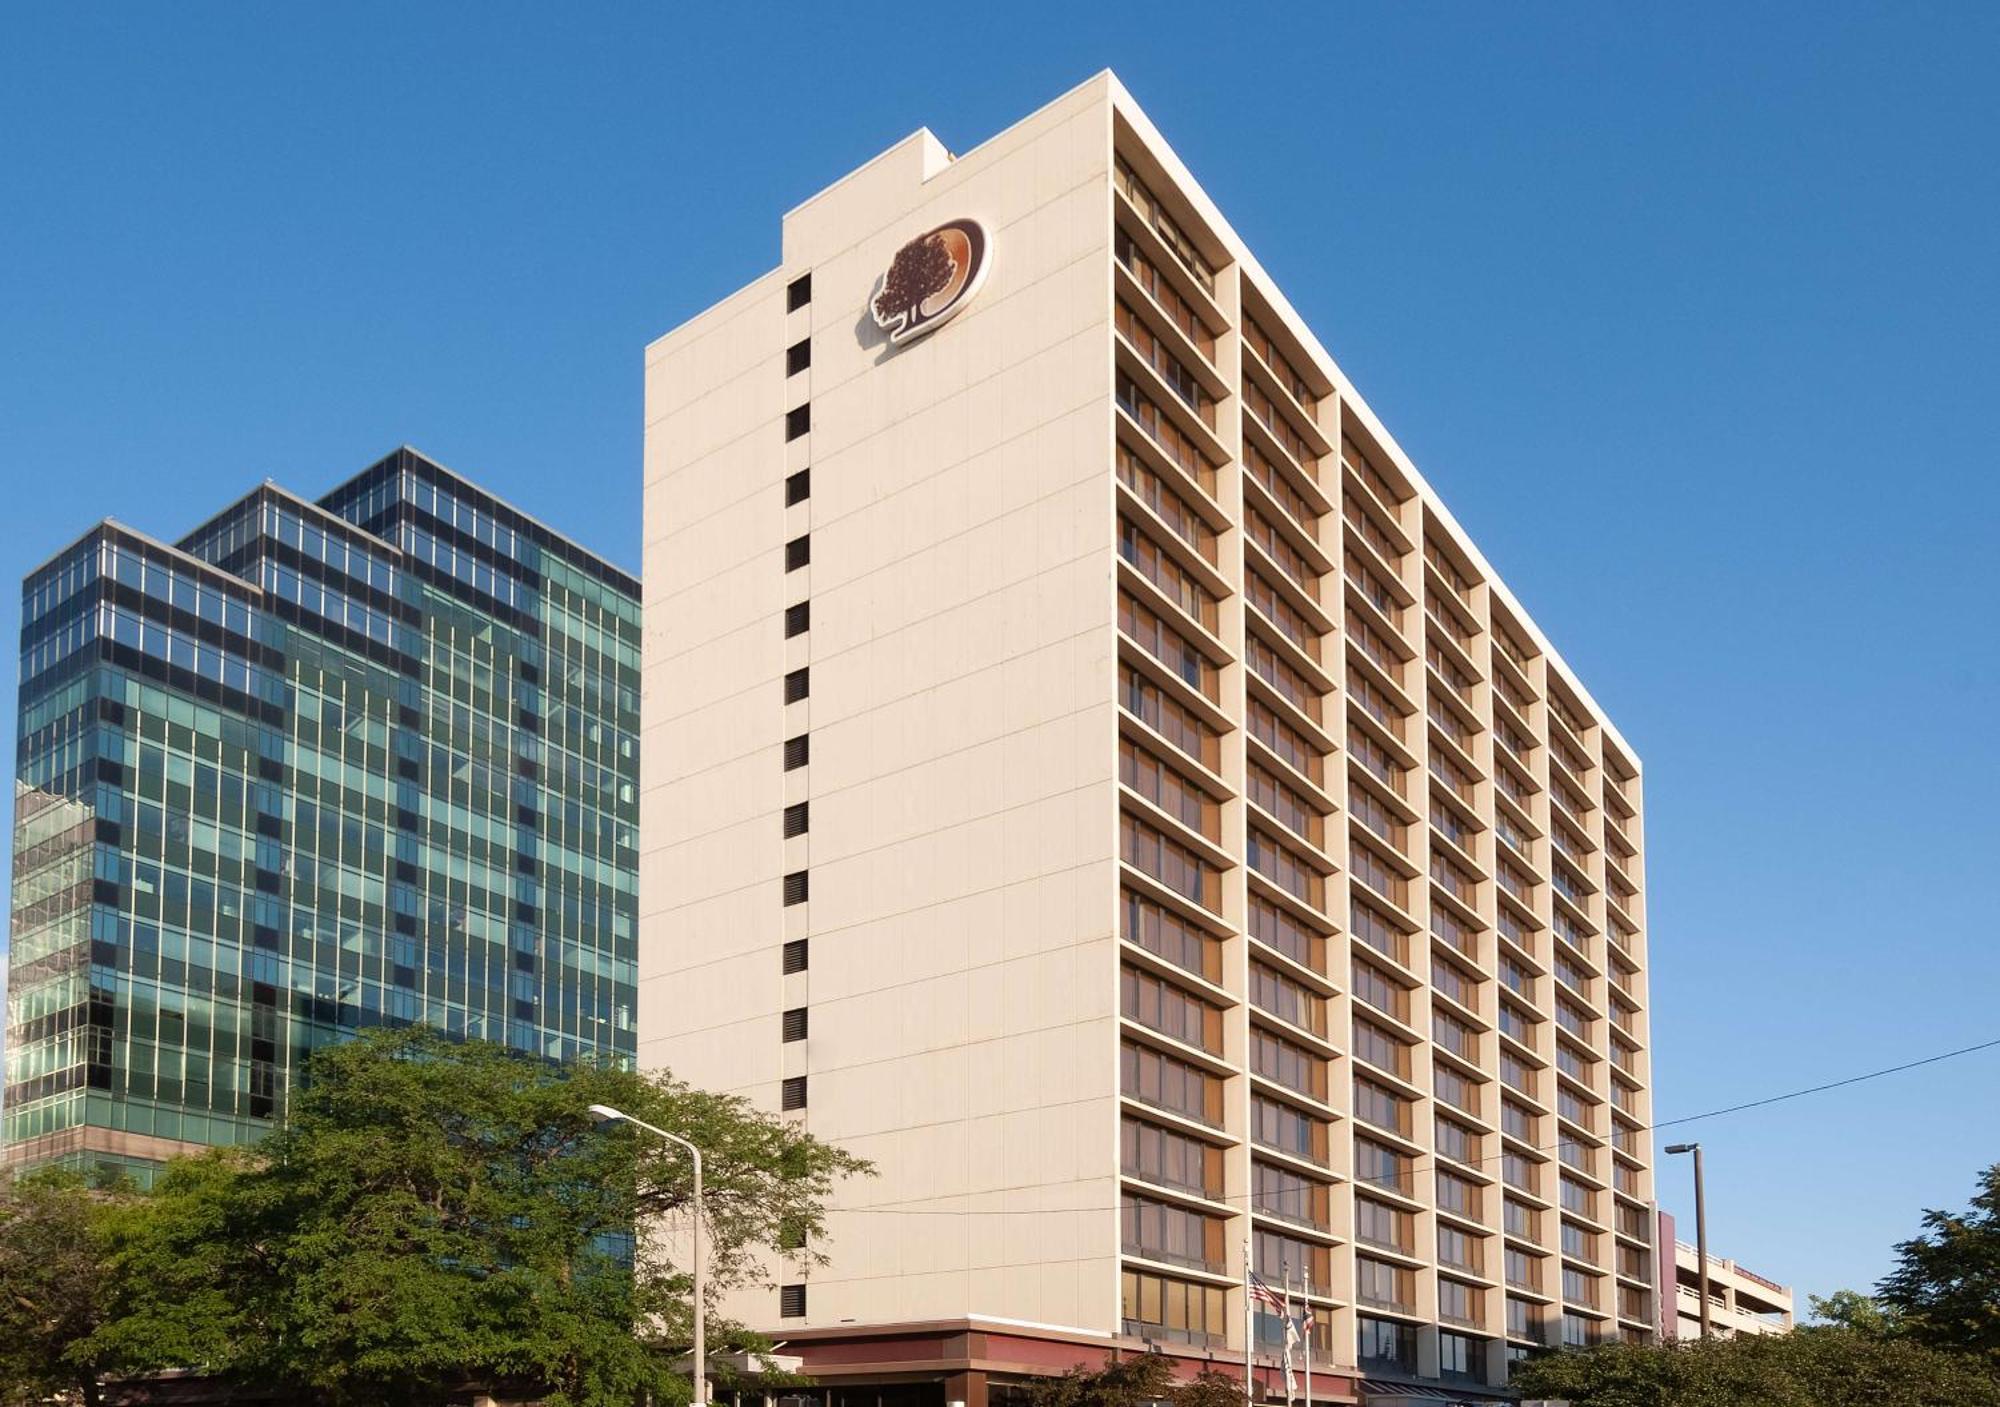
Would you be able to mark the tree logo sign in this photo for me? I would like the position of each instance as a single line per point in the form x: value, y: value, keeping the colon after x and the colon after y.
x: 930, y: 279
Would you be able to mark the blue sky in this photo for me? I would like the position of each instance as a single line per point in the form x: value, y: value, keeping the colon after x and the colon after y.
x: 1689, y: 312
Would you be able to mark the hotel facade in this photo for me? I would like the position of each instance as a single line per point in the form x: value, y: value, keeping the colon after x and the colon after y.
x: 1091, y: 774
x: 315, y: 767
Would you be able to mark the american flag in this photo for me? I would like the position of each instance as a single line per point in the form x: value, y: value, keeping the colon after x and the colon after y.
x: 1263, y: 1294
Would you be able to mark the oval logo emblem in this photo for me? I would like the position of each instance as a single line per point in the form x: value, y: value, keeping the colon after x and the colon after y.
x: 930, y: 279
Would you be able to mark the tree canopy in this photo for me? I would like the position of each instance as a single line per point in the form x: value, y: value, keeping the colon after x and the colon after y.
x: 1945, y: 1289
x: 1809, y: 1367
x: 52, y: 1294
x: 1136, y: 1380
x: 439, y: 1213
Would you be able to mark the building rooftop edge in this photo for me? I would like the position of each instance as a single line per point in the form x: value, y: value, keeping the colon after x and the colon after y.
x: 475, y: 486
x: 318, y: 508
x: 1128, y: 107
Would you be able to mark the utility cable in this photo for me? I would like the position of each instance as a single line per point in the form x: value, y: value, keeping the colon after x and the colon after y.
x: 1417, y: 1166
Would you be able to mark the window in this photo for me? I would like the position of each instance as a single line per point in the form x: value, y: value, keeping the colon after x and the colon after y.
x: 1380, y: 1105
x: 1522, y: 1174
x: 1577, y: 1331
x: 1524, y: 1272
x: 1168, y: 861
x: 1459, y: 1357
x: 1169, y: 789
x: 1169, y: 935
x: 798, y: 356
x: 1377, y: 1165
x: 798, y: 487
x: 1159, y: 1308
x: 798, y: 552
x: 1451, y: 980
x: 1520, y: 1219
x: 1376, y: 1224
x: 1460, y: 1249
x: 1373, y: 986
x: 795, y: 887
x: 1452, y: 1034
x: 1160, y: 1080
x: 1456, y: 1141
x: 797, y: 685
x: 1374, y: 928
x: 792, y: 1093
x: 798, y: 420
x: 1577, y: 1242
x: 1288, y: 1129
x: 1384, y: 1344
x: 798, y: 751
x: 791, y: 1301
x: 1374, y: 871
x: 1278, y: 929
x: 795, y: 819
x: 1458, y: 1303
x: 1450, y: 1087
x: 1164, y: 1231
x: 1457, y: 1195
x: 1379, y: 1283
x: 1520, y: 1319
x: 1287, y: 1063
x: 1169, y: 1009
x: 798, y: 293
x: 1280, y: 1192
x: 1169, y: 1158
x: 1379, y: 1048
x: 798, y: 619
x: 1578, y: 1198
x: 794, y: 959
x: 1286, y: 999
x: 1579, y: 1288
x: 794, y: 1024
x: 1277, y: 1257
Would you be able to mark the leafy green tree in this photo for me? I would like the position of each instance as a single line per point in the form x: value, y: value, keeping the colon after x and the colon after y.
x: 1130, y: 1381
x: 1207, y: 1388
x: 1810, y: 1367
x: 1850, y: 1309
x: 437, y: 1214
x: 1134, y: 1381
x: 53, y: 1288
x: 1945, y: 1289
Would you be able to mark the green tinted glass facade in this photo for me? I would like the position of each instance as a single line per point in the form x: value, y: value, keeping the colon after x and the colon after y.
x: 317, y: 767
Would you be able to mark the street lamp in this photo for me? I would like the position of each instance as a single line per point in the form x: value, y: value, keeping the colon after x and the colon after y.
x: 606, y: 1114
x: 1700, y: 1228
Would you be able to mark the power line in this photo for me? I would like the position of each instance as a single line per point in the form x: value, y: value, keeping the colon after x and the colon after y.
x: 1419, y: 1162
x: 1821, y: 1089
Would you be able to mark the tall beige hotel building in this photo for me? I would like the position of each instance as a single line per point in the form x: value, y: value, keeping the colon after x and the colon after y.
x: 1090, y: 773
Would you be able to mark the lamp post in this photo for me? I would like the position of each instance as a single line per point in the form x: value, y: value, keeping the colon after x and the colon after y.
x: 606, y: 1114
x: 1700, y: 1228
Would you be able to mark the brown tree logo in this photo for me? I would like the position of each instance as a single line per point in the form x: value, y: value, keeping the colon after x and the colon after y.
x: 930, y: 279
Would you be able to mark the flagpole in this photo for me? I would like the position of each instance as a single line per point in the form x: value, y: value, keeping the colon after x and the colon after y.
x: 1291, y: 1334
x: 1249, y: 1329
x: 1309, y: 1335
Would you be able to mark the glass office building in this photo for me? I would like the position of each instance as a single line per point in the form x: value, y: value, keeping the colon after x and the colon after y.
x: 316, y: 767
